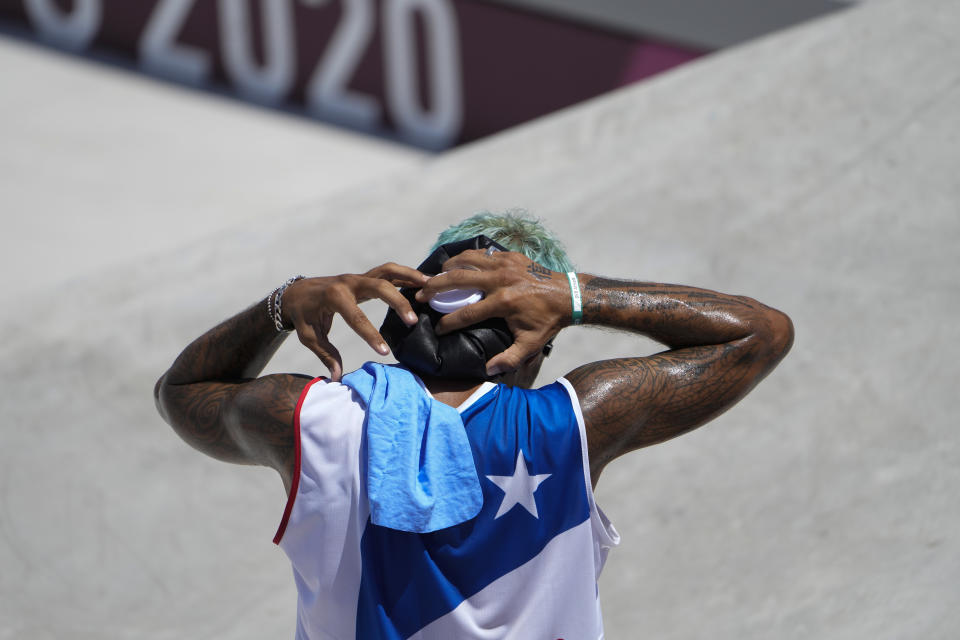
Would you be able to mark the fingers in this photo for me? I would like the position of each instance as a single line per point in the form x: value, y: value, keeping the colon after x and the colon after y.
x: 468, y: 316
x: 475, y: 269
x: 360, y: 324
x: 317, y: 343
x: 334, y: 361
x: 522, y: 349
x: 341, y: 295
x: 526, y: 346
x: 477, y: 258
x: 457, y: 279
x: 398, y: 275
x: 388, y: 293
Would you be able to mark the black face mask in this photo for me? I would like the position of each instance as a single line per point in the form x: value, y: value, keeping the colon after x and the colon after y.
x: 461, y: 355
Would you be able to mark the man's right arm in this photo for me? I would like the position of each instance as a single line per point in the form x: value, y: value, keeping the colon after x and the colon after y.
x: 719, y: 346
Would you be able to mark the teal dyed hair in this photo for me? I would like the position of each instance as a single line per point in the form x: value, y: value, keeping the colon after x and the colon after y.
x: 517, y: 231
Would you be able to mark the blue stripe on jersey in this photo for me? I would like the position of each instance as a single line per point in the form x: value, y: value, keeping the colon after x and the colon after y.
x: 409, y: 580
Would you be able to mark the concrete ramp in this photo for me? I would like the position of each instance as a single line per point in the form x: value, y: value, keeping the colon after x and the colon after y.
x: 815, y: 170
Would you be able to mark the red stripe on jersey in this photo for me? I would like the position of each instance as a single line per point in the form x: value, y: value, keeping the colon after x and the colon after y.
x: 295, y: 482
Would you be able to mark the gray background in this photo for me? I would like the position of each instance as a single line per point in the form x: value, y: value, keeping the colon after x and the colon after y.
x: 815, y: 169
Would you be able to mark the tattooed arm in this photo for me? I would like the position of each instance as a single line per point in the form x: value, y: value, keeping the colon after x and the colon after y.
x: 214, y: 401
x: 211, y: 395
x: 720, y: 346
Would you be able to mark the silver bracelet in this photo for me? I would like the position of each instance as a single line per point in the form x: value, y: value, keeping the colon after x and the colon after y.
x: 274, y: 302
x: 270, y: 305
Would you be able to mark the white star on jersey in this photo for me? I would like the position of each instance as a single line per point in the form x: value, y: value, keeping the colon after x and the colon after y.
x: 519, y: 488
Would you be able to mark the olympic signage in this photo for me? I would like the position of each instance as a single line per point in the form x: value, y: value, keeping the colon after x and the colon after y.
x: 429, y: 72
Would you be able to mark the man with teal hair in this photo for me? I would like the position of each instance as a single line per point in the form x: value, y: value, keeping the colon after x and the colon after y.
x: 437, y: 507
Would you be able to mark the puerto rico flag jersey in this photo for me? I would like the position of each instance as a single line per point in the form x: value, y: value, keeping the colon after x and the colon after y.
x: 526, y: 567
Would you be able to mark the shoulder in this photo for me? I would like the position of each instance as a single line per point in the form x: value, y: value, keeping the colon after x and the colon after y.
x: 325, y: 404
x: 558, y: 398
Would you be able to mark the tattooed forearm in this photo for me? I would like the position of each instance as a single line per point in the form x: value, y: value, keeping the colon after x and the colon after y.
x: 236, y: 348
x: 675, y: 315
x: 721, y: 346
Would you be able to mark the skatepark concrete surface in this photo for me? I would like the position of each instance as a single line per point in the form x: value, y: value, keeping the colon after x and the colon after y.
x: 815, y: 170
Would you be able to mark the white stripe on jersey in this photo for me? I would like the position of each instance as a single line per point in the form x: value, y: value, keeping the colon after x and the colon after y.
x: 536, y: 592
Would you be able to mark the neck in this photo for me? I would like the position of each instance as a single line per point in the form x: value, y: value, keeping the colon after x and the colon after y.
x: 450, y: 392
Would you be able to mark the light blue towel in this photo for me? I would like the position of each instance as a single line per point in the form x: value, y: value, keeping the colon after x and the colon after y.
x: 420, y: 471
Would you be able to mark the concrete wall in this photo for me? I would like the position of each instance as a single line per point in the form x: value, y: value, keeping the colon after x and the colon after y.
x: 814, y: 170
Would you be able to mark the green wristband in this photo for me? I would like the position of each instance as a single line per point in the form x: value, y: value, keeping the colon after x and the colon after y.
x: 575, y: 300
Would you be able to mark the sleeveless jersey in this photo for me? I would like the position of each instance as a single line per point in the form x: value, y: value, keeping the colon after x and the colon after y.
x: 525, y: 567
